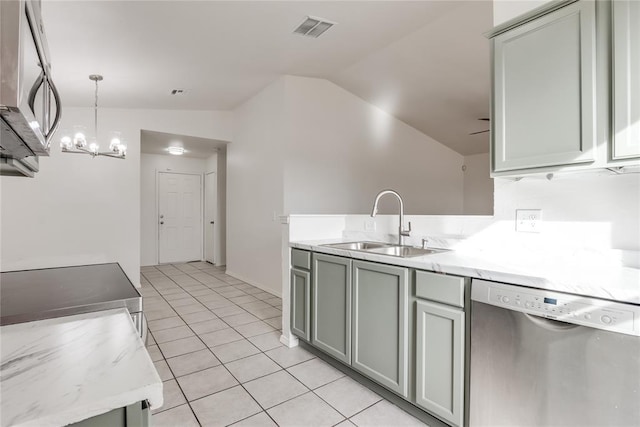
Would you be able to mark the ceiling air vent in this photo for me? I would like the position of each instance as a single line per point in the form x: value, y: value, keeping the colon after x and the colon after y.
x: 313, y: 27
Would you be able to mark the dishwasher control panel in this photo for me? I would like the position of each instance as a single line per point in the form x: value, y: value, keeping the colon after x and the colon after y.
x: 591, y: 312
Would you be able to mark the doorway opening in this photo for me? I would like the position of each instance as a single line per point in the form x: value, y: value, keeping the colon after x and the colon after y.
x: 189, y: 192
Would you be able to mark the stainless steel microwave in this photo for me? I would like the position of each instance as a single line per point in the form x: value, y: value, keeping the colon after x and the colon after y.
x: 30, y: 108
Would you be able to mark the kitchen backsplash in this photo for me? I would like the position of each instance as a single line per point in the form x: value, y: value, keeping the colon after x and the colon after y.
x: 585, y: 218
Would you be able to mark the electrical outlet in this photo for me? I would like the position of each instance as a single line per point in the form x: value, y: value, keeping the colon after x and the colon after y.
x: 369, y: 224
x: 529, y: 220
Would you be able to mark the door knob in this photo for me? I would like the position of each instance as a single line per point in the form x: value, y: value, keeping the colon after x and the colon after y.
x: 211, y: 222
x: 161, y: 216
x: 161, y: 222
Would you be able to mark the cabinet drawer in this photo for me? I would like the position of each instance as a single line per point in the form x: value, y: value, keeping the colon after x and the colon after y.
x: 301, y: 259
x: 440, y: 288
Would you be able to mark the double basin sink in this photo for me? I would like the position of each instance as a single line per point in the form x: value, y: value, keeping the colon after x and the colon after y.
x: 384, y: 249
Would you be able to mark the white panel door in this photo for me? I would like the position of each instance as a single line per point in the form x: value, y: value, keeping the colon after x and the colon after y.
x: 179, y: 217
x: 210, y: 199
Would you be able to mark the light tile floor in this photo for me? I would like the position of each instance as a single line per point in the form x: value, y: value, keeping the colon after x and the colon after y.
x: 215, y: 343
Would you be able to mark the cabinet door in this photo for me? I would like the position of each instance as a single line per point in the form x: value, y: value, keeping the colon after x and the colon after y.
x: 626, y: 79
x: 380, y: 295
x: 331, y: 325
x: 134, y: 415
x: 440, y: 360
x: 301, y: 303
x: 544, y: 91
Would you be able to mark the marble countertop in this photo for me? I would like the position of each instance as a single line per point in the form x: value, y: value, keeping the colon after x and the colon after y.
x: 59, y: 371
x: 558, y: 273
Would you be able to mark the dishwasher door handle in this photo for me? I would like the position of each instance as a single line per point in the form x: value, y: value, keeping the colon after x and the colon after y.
x: 550, y: 324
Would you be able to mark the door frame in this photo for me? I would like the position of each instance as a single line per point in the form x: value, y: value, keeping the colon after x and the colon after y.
x: 157, y: 210
x: 216, y: 224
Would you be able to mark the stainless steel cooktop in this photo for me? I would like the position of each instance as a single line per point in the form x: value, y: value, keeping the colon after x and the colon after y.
x: 30, y: 295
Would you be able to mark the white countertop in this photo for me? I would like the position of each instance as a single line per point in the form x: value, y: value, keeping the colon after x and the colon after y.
x: 59, y: 371
x: 558, y: 273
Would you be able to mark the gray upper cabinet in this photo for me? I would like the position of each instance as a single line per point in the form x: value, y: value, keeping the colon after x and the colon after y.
x: 331, y: 313
x: 301, y: 303
x: 380, y: 299
x: 544, y: 106
x: 440, y: 360
x: 626, y: 79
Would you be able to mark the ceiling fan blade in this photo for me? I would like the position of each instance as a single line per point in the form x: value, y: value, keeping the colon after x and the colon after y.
x: 482, y: 131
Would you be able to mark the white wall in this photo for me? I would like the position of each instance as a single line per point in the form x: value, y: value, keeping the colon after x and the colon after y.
x: 478, y: 185
x: 307, y: 146
x: 597, y: 210
x: 255, y: 189
x: 150, y: 165
x: 79, y: 210
x: 504, y: 10
x: 341, y: 151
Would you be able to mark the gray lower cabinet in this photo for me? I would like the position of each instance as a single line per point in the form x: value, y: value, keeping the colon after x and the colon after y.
x: 379, y: 340
x: 331, y: 313
x: 440, y: 360
x: 544, y: 96
x: 301, y: 303
x: 626, y: 79
x: 136, y: 415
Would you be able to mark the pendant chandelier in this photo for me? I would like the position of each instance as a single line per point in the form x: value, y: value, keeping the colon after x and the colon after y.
x: 78, y: 144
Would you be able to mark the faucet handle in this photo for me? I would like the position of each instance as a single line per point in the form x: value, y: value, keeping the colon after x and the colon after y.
x: 407, y: 231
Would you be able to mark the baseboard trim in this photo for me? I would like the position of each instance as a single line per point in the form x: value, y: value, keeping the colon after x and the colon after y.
x: 253, y: 283
x: 397, y: 400
x: 289, y: 342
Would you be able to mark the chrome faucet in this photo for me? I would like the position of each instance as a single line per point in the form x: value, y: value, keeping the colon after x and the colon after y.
x: 401, y: 231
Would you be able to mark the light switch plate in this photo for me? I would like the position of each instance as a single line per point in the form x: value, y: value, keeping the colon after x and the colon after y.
x: 529, y: 220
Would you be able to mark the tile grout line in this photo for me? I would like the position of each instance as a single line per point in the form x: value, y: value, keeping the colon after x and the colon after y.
x: 221, y: 364
x: 260, y: 351
x: 172, y: 373
x: 169, y: 366
x: 222, y: 390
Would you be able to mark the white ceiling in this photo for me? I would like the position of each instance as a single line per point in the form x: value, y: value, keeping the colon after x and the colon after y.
x: 426, y: 62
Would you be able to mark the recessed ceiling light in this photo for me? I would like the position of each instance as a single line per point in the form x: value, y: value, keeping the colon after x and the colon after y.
x: 313, y: 27
x: 176, y: 151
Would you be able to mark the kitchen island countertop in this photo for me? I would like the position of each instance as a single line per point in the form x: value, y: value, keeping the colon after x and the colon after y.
x: 563, y: 274
x: 59, y: 371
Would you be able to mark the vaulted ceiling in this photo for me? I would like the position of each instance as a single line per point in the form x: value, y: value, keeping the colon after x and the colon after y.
x: 425, y: 62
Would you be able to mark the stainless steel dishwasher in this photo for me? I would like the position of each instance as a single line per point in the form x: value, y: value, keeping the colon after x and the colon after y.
x: 542, y: 358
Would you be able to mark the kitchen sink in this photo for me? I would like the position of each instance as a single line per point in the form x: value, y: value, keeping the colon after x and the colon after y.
x: 359, y: 246
x: 384, y: 249
x: 403, y: 251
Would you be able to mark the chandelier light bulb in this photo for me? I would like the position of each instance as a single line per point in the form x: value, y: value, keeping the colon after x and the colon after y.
x: 115, y: 143
x: 122, y: 149
x: 66, y: 143
x: 94, y: 147
x: 79, y: 140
